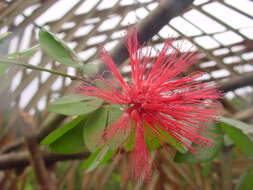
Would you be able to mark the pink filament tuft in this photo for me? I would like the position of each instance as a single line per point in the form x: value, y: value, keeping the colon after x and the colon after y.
x: 158, y: 98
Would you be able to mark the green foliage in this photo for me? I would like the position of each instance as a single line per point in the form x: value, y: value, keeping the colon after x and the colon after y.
x: 75, y: 104
x: 114, y: 112
x: 204, y: 154
x: 170, y: 140
x: 130, y: 144
x: 68, y: 138
x: 57, y: 49
x: 93, y: 136
x: 245, y: 181
x: 3, y: 67
x: 90, y: 68
x: 56, y: 134
x: 25, y: 53
x: 239, y: 133
x: 88, y: 162
x: 100, y: 156
x: 94, y: 128
x: 151, y: 141
x: 70, y: 143
x: 244, y: 127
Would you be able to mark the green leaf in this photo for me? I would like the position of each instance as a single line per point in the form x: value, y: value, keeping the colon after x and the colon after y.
x: 129, y: 146
x: 245, y: 181
x: 56, y: 134
x: 25, y: 53
x: 114, y: 113
x: 238, y: 136
x: 75, y: 105
x: 72, y: 98
x: 90, y: 68
x: 87, y: 163
x: 204, y: 154
x: 94, y: 128
x: 98, y: 157
x: 170, y: 140
x: 58, y: 50
x: 70, y: 142
x: 97, y: 122
x: 244, y: 127
x: 3, y: 67
x: 151, y: 142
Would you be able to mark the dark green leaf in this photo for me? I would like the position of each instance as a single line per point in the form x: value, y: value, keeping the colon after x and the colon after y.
x: 57, y: 49
x: 52, y: 137
x: 204, y: 154
x: 77, y: 106
x: 70, y: 142
x: 114, y: 113
x: 240, y: 139
x: 94, y: 128
x: 244, y: 127
x: 245, y: 181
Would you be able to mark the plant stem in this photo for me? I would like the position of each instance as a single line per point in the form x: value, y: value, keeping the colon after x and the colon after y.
x: 18, y: 63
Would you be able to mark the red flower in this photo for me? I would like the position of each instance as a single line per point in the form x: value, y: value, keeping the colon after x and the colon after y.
x: 157, y: 99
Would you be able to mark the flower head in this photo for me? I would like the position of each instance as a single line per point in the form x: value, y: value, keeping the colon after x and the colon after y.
x: 158, y: 101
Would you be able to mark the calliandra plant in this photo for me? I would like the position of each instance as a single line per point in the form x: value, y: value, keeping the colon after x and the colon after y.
x: 158, y: 101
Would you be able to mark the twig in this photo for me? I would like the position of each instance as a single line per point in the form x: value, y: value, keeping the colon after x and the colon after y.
x: 18, y: 63
x: 21, y: 159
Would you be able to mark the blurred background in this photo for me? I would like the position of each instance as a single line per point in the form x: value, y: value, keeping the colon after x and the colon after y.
x: 220, y: 30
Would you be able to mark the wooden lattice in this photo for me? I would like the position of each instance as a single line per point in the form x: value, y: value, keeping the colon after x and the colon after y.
x: 226, y: 53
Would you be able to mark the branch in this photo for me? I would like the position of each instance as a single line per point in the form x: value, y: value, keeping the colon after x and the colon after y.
x: 21, y: 159
x: 149, y: 26
x: 45, y: 130
x: 237, y: 82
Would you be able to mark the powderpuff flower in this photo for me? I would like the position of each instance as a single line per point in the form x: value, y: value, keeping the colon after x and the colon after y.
x: 159, y: 101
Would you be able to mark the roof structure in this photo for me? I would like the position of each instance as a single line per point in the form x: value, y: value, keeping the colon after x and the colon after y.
x: 220, y: 30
